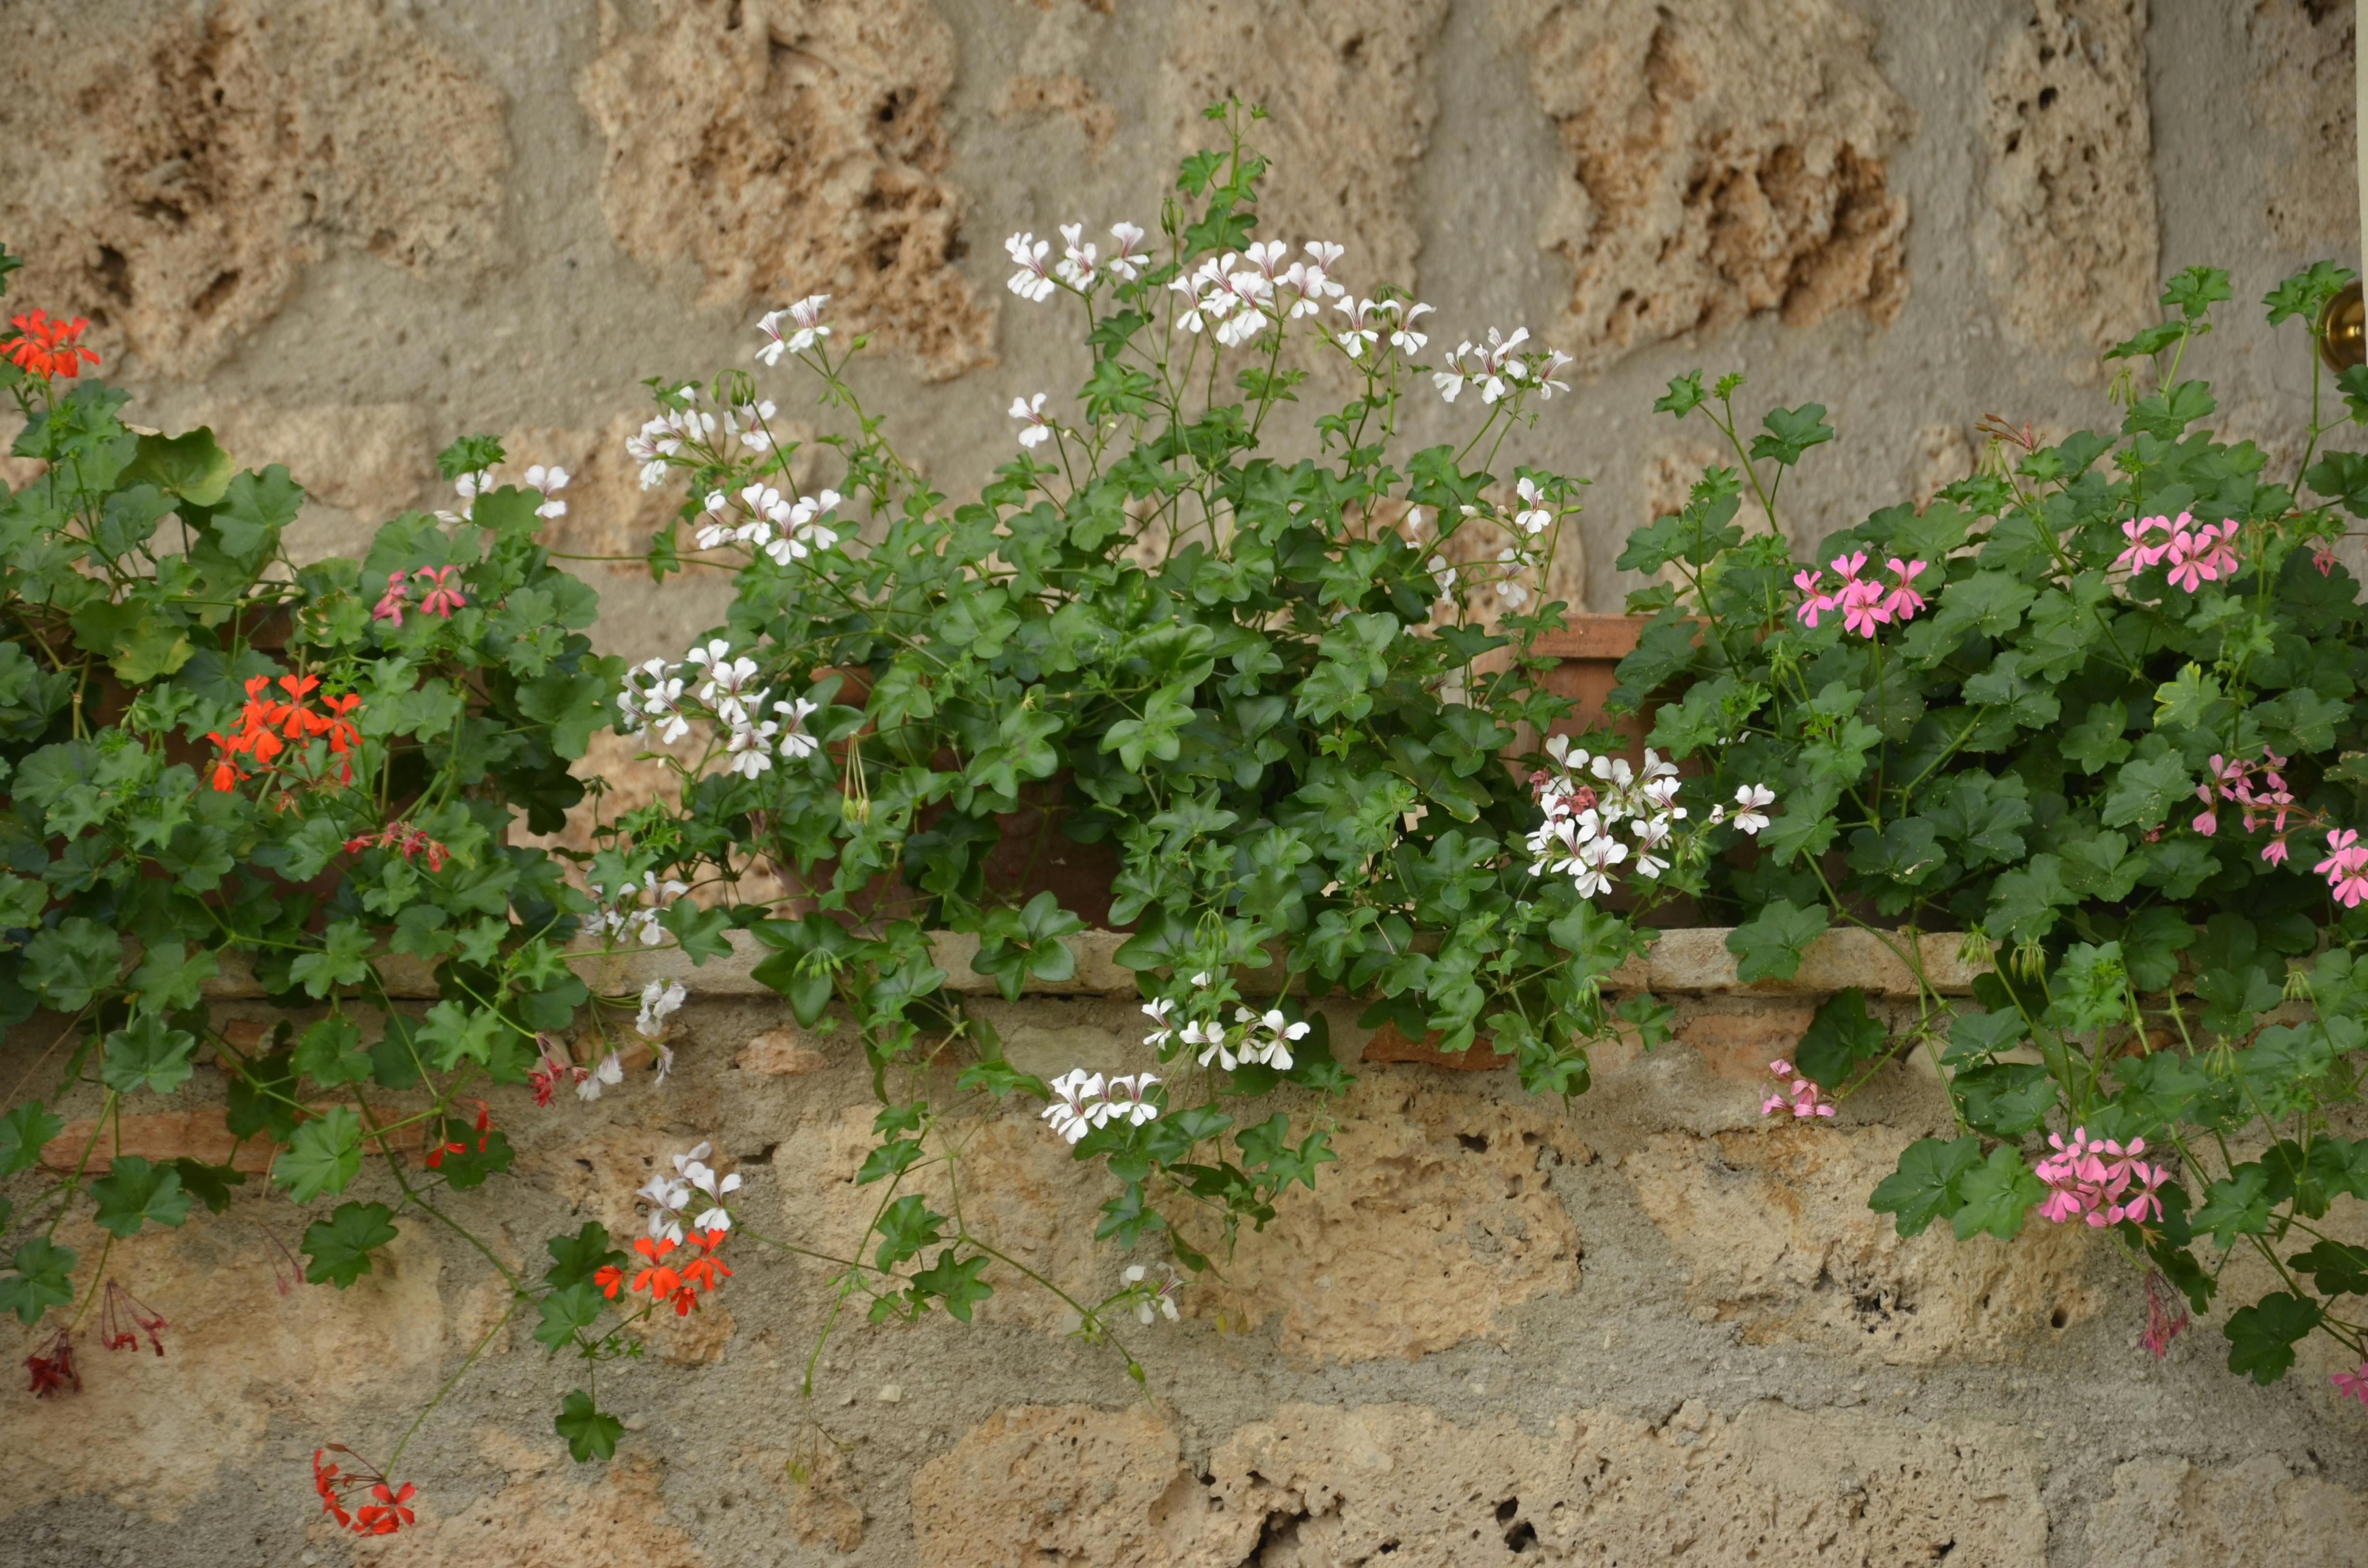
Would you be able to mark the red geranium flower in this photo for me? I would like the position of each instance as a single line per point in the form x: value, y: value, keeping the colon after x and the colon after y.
x: 45, y: 347
x: 54, y: 1370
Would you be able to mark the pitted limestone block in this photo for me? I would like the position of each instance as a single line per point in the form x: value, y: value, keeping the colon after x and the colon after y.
x: 793, y: 147
x: 2167, y: 1512
x: 1349, y: 99
x: 2067, y: 231
x: 1696, y: 958
x: 169, y: 172
x: 238, y: 1354
x: 1773, y: 1225
x: 1434, y: 1222
x: 2303, y: 87
x: 1066, y: 1483
x: 1396, y: 1483
x: 1726, y: 157
x: 785, y: 1052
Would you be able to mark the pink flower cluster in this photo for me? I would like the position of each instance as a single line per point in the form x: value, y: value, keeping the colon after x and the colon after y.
x: 2233, y: 780
x: 2346, y: 867
x: 2353, y: 1384
x: 442, y: 598
x: 1800, y: 1096
x: 2196, y: 555
x: 1864, y: 602
x: 2093, y: 1179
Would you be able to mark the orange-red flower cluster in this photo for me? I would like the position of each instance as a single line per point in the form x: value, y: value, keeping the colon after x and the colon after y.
x: 267, y: 726
x: 45, y: 347
x: 484, y: 1129
x: 406, y: 841
x: 665, y: 1282
x: 384, y: 1515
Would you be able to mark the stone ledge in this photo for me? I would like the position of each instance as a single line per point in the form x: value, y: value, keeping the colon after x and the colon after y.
x: 1691, y: 959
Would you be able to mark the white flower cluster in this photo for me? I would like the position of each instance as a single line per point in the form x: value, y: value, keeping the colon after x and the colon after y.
x: 1262, y: 1039
x: 653, y: 690
x: 1587, y: 798
x: 1498, y: 369
x: 785, y: 527
x: 1081, y: 266
x: 1239, y: 297
x: 546, y: 481
x: 1368, y: 317
x: 661, y: 999
x: 806, y: 329
x: 1082, y: 1101
x: 633, y: 912
x: 1152, y: 1300
x: 664, y: 439
x: 670, y: 1195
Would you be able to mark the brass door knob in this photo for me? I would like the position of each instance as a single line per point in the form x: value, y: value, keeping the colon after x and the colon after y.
x: 2343, y: 330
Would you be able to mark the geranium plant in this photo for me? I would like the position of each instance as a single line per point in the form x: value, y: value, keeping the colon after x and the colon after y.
x: 2099, y: 705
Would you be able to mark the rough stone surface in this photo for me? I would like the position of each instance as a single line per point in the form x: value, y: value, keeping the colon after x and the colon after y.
x: 2168, y: 1513
x: 793, y: 147
x: 1349, y: 104
x: 2304, y: 90
x: 1440, y: 1218
x: 2068, y: 232
x: 1724, y: 157
x: 1320, y: 1485
x: 176, y: 198
x: 1775, y: 1228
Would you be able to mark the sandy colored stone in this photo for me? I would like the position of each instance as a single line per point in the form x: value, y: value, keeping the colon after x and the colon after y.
x: 1068, y: 1484
x: 1434, y: 1222
x: 1397, y: 1483
x: 1697, y: 959
x: 1774, y: 1226
x: 2303, y: 88
x: 1068, y: 97
x: 1349, y: 99
x: 238, y: 1352
x: 2067, y: 231
x: 169, y: 173
x: 1940, y: 456
x: 550, y: 1512
x: 1738, y: 1044
x: 1724, y: 158
x: 822, y: 1508
x: 793, y: 147
x: 2167, y: 1512
x: 786, y: 1052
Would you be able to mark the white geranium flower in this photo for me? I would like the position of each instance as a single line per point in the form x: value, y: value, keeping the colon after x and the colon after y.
x: 1532, y: 517
x: 1034, y: 430
x: 609, y: 1072
x: 1127, y: 1100
x: 1032, y: 281
x: 1128, y: 261
x: 660, y: 1000
x: 1163, y: 1028
x: 1750, y: 802
x: 1075, y: 1096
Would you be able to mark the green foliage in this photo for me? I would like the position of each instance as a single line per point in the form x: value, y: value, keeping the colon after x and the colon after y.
x: 2121, y: 776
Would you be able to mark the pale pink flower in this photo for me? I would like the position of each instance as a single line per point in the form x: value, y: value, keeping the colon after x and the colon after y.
x: 391, y: 604
x: 1812, y: 603
x: 1802, y: 1095
x: 2143, y: 550
x: 1904, y: 601
x: 444, y: 597
x: 2353, y: 1385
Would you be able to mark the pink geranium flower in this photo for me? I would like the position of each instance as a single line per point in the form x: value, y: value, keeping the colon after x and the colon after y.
x: 391, y: 604
x: 444, y: 595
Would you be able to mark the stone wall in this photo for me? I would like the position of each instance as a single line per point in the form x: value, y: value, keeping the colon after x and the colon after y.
x: 1644, y: 1326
